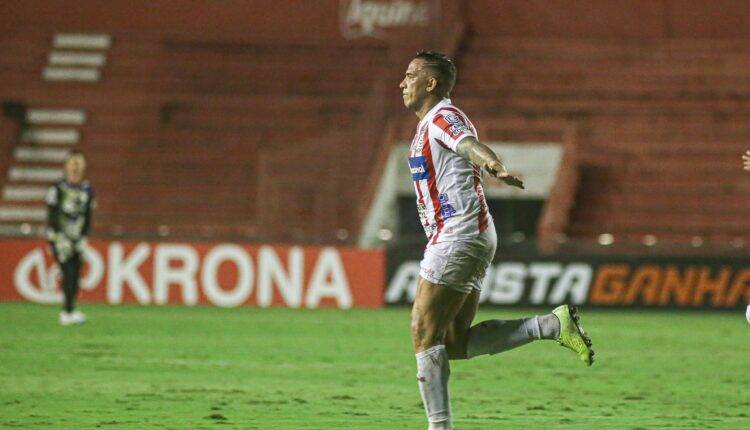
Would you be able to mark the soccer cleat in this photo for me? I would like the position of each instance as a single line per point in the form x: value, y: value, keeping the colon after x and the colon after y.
x: 572, y: 335
x: 77, y: 317
x: 71, y: 318
x: 65, y: 318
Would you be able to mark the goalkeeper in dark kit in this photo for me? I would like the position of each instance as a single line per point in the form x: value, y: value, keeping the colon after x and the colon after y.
x: 70, y: 203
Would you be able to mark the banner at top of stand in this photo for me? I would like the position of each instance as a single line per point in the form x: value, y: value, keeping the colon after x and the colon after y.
x: 381, y: 19
x: 220, y: 274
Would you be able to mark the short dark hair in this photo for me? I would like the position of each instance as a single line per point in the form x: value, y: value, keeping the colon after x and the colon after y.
x: 74, y: 153
x: 443, y: 68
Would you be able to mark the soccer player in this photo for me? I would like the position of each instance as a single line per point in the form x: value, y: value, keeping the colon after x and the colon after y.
x: 446, y: 161
x: 69, y: 203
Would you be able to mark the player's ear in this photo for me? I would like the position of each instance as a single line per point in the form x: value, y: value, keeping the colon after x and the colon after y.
x: 432, y: 84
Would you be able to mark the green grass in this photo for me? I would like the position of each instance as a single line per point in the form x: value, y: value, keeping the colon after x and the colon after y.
x: 208, y: 368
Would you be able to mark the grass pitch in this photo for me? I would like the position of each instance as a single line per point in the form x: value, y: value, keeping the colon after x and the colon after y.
x: 208, y: 368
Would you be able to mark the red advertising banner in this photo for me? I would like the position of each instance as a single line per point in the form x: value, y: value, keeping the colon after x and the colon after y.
x: 220, y: 274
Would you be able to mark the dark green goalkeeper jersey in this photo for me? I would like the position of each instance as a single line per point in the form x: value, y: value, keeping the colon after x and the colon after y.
x: 69, y: 209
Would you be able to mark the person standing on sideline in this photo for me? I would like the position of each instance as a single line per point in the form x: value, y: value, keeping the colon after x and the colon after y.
x: 446, y: 161
x: 70, y: 203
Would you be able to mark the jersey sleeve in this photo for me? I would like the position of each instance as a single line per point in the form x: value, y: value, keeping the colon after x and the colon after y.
x: 450, y: 127
x: 53, y: 209
x: 90, y: 206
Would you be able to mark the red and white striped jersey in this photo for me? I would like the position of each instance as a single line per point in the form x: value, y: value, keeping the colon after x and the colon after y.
x: 450, y: 197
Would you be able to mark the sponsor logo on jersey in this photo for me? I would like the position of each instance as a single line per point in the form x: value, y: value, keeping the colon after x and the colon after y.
x: 418, y: 168
x: 457, y: 125
x: 422, y: 211
x: 446, y: 208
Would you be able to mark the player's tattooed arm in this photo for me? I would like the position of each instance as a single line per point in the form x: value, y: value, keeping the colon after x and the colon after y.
x: 482, y: 156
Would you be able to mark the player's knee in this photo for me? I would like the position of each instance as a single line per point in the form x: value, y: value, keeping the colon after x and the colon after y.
x: 418, y: 329
x: 414, y: 329
x: 424, y: 334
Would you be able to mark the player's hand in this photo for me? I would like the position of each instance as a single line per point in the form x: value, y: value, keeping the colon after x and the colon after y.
x: 63, y: 248
x: 81, y: 245
x: 746, y: 160
x: 497, y: 170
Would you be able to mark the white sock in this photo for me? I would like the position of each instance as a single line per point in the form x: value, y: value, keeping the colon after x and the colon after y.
x: 444, y: 425
x: 549, y: 326
x: 433, y: 372
x: 495, y: 336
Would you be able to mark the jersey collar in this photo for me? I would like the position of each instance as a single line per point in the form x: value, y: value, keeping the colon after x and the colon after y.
x: 441, y: 104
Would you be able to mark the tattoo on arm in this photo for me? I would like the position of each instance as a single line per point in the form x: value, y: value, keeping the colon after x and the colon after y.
x: 478, y: 153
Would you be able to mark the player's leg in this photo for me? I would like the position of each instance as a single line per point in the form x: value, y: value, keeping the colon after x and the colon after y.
x: 493, y: 336
x: 435, y: 308
x: 71, y: 270
x: 457, y: 336
x: 467, y: 268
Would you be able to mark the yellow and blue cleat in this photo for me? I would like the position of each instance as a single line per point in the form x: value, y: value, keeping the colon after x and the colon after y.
x: 572, y: 335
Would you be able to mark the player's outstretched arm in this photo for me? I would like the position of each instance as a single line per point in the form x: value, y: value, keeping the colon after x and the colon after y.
x: 481, y: 155
x: 746, y: 160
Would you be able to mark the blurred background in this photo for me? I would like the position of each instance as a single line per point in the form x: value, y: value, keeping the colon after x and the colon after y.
x: 273, y: 121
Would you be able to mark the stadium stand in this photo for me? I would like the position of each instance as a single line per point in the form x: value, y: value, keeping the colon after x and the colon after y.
x: 176, y: 129
x: 278, y: 141
x: 659, y: 127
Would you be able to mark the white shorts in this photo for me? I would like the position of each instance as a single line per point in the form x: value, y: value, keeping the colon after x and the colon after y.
x: 459, y: 265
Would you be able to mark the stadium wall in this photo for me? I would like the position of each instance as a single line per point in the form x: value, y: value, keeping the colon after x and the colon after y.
x: 228, y: 19
x: 610, y: 19
x: 324, y: 21
x: 219, y: 274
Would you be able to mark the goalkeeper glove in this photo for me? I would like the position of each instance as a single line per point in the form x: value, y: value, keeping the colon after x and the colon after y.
x: 63, y: 248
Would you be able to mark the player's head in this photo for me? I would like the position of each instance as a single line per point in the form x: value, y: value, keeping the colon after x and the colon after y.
x: 429, y: 74
x: 75, y: 166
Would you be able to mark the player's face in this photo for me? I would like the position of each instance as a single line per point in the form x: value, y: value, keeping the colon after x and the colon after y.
x: 414, y: 87
x: 75, y: 168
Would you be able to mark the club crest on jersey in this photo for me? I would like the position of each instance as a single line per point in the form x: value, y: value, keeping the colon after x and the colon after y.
x: 457, y: 125
x: 418, y: 168
x: 446, y: 209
